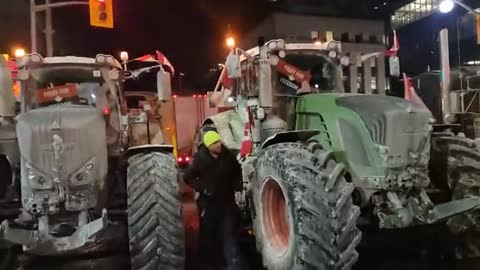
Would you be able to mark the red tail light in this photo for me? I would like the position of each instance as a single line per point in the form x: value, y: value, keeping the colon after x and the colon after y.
x: 106, y: 111
x: 180, y: 159
x: 187, y: 159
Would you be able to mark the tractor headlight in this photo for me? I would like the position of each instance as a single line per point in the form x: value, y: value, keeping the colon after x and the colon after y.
x: 37, y: 179
x: 85, y: 175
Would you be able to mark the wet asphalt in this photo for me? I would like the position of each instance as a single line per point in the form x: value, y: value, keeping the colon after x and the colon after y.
x: 426, y: 249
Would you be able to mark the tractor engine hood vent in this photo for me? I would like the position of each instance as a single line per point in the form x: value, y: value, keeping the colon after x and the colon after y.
x: 400, y: 129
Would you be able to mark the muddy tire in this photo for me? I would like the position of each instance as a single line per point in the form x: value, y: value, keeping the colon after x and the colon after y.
x: 155, y: 225
x: 303, y: 214
x: 456, y: 165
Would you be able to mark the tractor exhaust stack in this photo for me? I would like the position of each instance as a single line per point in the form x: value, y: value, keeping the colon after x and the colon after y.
x: 445, y: 77
x: 7, y: 99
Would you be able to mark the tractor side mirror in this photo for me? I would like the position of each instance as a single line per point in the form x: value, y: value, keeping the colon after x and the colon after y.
x: 164, y: 85
x: 233, y: 66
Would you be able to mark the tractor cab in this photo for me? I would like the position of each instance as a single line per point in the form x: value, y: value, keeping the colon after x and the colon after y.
x: 75, y: 83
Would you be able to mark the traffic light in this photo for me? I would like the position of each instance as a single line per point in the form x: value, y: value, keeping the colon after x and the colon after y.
x: 101, y: 13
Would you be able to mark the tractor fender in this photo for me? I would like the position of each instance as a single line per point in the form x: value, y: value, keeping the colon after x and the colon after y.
x: 148, y: 148
x: 290, y: 136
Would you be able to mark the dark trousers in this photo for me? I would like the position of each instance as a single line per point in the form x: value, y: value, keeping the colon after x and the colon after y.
x: 219, y: 236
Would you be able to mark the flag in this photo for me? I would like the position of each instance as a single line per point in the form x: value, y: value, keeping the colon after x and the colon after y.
x: 13, y: 68
x: 246, y: 147
x: 161, y: 59
x: 146, y: 58
x: 388, y: 53
x: 164, y: 61
x: 247, y: 144
x: 396, y: 46
x: 410, y: 93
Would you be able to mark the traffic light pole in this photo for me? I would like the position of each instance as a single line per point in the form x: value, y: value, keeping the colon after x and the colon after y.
x: 47, y: 7
x: 49, y: 29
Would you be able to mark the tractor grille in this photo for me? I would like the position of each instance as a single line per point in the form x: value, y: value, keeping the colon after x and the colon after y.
x: 79, y: 132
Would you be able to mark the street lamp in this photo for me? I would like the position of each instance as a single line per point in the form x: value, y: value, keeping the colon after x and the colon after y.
x: 447, y: 5
x: 19, y: 52
x: 230, y: 42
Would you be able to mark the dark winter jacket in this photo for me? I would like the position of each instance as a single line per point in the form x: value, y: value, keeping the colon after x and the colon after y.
x: 216, y: 179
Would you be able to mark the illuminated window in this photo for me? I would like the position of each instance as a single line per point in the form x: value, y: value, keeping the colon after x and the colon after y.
x: 413, y: 11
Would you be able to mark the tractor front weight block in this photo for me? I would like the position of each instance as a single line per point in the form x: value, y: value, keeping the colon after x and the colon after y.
x: 41, y: 242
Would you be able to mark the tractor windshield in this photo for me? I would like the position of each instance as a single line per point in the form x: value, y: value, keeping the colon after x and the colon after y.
x: 61, y: 85
x: 298, y: 66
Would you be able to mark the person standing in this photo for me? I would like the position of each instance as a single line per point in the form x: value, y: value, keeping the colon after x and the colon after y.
x: 216, y: 174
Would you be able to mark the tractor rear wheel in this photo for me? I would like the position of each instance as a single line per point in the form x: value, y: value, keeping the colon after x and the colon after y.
x: 456, y: 164
x: 303, y: 213
x: 155, y: 224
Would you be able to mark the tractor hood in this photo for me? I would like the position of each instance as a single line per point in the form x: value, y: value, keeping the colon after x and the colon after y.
x: 386, y: 117
x: 400, y: 129
x: 62, y: 148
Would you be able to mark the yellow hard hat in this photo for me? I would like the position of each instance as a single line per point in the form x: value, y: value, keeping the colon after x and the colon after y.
x: 210, y: 138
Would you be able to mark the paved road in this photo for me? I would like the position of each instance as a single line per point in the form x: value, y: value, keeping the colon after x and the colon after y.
x: 400, y: 250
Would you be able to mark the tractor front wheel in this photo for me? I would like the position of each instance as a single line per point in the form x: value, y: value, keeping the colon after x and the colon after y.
x: 303, y: 214
x: 155, y: 224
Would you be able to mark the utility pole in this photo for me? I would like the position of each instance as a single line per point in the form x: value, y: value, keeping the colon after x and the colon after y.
x: 33, y: 25
x: 49, y: 31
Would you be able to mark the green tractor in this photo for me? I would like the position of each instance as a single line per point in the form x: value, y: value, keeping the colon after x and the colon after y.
x: 323, y: 161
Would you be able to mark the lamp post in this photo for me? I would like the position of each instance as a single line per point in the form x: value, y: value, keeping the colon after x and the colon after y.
x: 47, y: 7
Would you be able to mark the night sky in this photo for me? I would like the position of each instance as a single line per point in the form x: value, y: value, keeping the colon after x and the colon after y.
x: 191, y: 33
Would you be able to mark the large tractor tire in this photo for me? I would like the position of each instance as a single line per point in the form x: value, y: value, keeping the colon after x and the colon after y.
x: 303, y: 213
x: 456, y: 164
x: 155, y: 224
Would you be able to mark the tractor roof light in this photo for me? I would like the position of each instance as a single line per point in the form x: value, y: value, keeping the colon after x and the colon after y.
x: 332, y: 54
x: 277, y: 44
x: 345, y: 61
x: 281, y: 44
x: 107, y: 59
x: 29, y: 58
x: 272, y: 45
x: 124, y: 56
